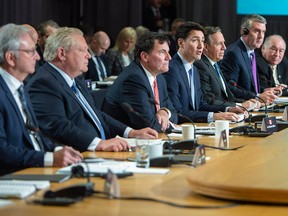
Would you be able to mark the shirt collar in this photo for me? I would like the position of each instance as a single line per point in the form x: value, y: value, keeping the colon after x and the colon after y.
x: 249, y: 51
x: 64, y: 75
x: 12, y: 83
x: 186, y: 64
x: 150, y: 77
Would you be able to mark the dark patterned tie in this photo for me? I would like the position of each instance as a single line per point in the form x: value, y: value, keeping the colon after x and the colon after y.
x: 30, y: 124
x: 100, y: 67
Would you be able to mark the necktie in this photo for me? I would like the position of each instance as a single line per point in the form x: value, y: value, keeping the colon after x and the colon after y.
x: 88, y: 109
x: 192, y: 88
x: 156, y: 95
x: 99, y: 62
x: 274, y: 73
x: 30, y: 124
x: 253, y: 64
x: 216, y: 66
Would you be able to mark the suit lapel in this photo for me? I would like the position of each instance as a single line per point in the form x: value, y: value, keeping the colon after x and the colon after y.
x: 184, y: 77
x: 15, y: 107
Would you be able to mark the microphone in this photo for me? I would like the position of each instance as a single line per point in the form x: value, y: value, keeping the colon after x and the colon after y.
x: 134, y: 114
x: 253, y: 118
x: 190, y: 121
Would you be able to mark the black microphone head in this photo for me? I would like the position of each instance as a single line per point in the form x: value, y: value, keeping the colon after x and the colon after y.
x: 233, y: 83
x: 127, y: 107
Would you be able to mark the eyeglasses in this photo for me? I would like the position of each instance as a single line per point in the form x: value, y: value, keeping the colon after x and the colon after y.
x: 30, y: 52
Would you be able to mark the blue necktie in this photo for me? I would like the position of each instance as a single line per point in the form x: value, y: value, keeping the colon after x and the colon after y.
x: 100, y: 67
x: 192, y: 88
x: 216, y: 66
x: 88, y: 109
x: 30, y: 124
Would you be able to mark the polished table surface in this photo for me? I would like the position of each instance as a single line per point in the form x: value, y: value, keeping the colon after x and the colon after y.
x: 172, y: 187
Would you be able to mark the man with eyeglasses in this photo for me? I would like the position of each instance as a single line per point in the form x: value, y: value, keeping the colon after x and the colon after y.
x: 272, y: 64
x: 21, y: 143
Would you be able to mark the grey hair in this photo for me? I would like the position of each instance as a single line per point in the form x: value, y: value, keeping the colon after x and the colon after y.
x: 248, y: 20
x: 10, y: 39
x: 63, y: 37
x: 267, y: 39
x: 210, y: 30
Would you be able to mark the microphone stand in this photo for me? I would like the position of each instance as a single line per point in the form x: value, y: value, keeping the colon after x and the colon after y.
x: 257, y: 117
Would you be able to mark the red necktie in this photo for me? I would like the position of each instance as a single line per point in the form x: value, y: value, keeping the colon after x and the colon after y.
x: 156, y: 95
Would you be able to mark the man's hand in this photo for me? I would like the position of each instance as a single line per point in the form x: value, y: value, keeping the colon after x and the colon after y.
x: 163, y: 119
x: 66, y: 156
x: 236, y: 109
x: 276, y: 90
x: 268, y: 96
x: 145, y: 133
x: 226, y: 116
x: 115, y: 145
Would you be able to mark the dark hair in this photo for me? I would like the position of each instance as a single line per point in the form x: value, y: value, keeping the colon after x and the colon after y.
x: 146, y: 43
x: 41, y: 29
x: 184, y: 30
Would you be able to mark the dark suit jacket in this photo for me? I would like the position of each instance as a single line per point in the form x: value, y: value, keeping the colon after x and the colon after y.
x: 132, y: 86
x: 266, y: 74
x: 92, y: 72
x: 61, y: 115
x: 180, y: 95
x: 16, y: 148
x: 236, y: 66
x: 211, y: 84
x: 116, y: 64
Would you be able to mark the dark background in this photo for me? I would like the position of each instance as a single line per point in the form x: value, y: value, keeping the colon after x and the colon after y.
x: 113, y: 15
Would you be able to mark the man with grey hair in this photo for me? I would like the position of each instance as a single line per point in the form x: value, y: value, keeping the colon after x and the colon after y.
x: 272, y: 65
x: 213, y: 83
x: 239, y: 62
x: 63, y: 105
x: 21, y: 143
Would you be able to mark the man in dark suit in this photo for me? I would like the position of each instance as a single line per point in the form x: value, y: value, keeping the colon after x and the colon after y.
x: 98, y: 65
x: 272, y: 65
x: 237, y: 62
x: 183, y: 80
x: 213, y: 83
x: 63, y: 105
x: 21, y: 143
x: 142, y: 85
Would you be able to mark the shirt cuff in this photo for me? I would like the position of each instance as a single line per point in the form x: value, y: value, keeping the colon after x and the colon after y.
x: 48, y: 159
x: 210, y: 117
x: 93, y: 145
x: 167, y: 110
x: 126, y: 132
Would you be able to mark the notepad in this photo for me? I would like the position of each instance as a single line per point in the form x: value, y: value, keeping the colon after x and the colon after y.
x: 20, y: 189
x: 36, y: 177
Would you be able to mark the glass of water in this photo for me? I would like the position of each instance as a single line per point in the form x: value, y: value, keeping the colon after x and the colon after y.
x: 142, y: 153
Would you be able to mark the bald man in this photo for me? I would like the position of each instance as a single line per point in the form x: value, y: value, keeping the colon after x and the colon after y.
x: 99, y: 63
x: 32, y: 32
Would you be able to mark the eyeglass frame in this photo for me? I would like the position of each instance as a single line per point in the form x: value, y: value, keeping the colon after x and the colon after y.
x: 30, y: 52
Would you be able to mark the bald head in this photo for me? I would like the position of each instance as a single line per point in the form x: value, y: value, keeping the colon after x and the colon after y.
x: 100, y: 43
x: 32, y: 32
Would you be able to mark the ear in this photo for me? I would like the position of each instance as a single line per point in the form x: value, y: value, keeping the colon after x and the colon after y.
x: 144, y: 57
x: 205, y: 47
x: 61, y: 53
x: 180, y: 42
x: 10, y: 58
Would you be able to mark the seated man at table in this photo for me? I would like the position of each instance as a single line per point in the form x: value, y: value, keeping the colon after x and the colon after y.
x: 213, y: 83
x: 183, y: 79
x: 64, y: 106
x: 21, y: 143
x: 272, y: 64
x: 142, y: 86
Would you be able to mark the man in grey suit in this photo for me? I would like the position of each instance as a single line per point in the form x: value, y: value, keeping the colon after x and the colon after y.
x: 213, y: 83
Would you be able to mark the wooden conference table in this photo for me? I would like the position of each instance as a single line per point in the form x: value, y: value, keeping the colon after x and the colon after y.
x: 223, y: 168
